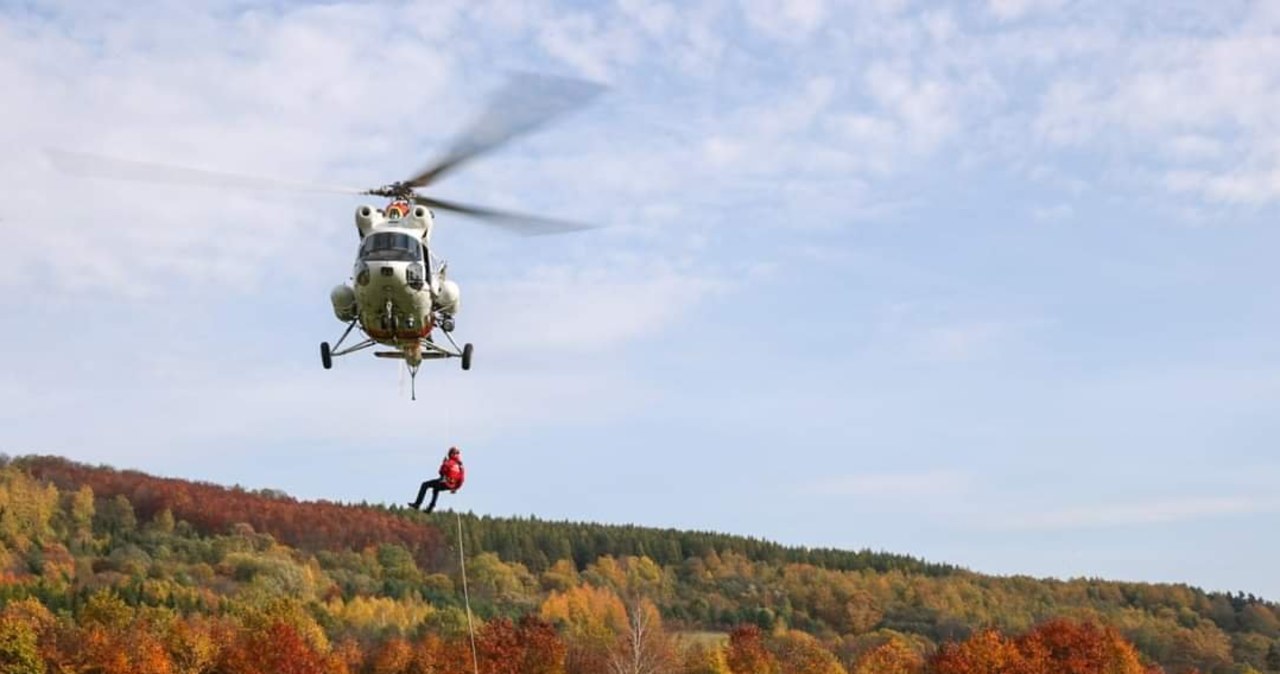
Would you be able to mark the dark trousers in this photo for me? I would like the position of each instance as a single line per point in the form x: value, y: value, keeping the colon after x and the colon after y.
x: 436, y: 486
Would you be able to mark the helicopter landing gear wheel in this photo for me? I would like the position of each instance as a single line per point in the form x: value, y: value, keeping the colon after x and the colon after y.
x: 326, y: 356
x: 466, y: 357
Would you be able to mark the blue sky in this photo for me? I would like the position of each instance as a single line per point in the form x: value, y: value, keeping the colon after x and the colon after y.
x: 989, y: 283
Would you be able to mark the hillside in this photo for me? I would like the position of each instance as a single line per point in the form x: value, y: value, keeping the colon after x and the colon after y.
x: 153, y: 574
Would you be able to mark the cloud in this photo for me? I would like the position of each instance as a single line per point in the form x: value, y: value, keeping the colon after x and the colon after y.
x: 944, y: 333
x: 1236, y: 187
x: 576, y: 309
x: 1141, y: 514
x: 593, y: 49
x: 788, y: 20
x: 1054, y: 213
x: 962, y: 342
x: 1206, y: 103
x: 1194, y: 147
x: 1010, y: 10
x: 934, y: 483
x: 925, y: 108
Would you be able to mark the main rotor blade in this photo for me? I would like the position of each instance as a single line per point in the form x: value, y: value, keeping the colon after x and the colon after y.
x: 525, y: 103
x: 527, y: 225
x: 98, y: 166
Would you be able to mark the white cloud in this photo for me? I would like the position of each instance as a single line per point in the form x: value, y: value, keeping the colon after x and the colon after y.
x: 925, y: 108
x: 1010, y: 10
x: 1193, y: 147
x: 1142, y: 513
x: 577, y: 309
x: 723, y: 152
x: 593, y: 47
x: 1207, y: 103
x: 962, y: 342
x: 789, y: 20
x: 948, y: 334
x: 1237, y: 187
x: 1069, y: 113
x: 913, y: 485
x: 1054, y: 213
x: 658, y: 19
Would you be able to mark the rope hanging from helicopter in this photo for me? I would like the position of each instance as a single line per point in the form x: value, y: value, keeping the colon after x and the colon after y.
x: 413, y: 380
x: 466, y: 596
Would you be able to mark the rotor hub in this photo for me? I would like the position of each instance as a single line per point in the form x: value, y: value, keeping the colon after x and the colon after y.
x: 399, y: 191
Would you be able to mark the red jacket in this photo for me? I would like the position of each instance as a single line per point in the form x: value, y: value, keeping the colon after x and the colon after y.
x: 451, y: 472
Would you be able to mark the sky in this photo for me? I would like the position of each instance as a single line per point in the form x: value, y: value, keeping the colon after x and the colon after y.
x: 986, y: 283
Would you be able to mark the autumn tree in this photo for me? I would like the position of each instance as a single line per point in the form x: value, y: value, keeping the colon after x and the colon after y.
x: 801, y: 653
x: 530, y: 646
x: 1204, y: 646
x: 1055, y: 647
x: 1068, y: 647
x: 195, y: 643
x: 436, y: 655
x: 346, y: 657
x: 114, y: 639
x: 704, y: 658
x: 747, y: 653
x: 591, y: 620
x: 19, y: 647
x: 279, y: 649
x: 987, y: 652
x: 894, y: 656
x: 645, y: 647
x: 391, y: 657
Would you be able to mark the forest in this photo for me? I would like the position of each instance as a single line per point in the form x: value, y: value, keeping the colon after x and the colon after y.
x: 115, y: 571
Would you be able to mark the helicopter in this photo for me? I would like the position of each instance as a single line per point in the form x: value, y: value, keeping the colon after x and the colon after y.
x: 400, y: 295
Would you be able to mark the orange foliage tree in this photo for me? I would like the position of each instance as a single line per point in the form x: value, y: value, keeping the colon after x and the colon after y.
x: 987, y: 652
x: 1055, y: 647
x: 894, y: 656
x: 747, y: 654
x: 391, y: 657
x: 528, y: 647
x: 279, y: 649
x: 1067, y: 647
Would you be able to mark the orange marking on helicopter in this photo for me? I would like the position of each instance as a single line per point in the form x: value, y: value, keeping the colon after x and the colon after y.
x: 403, y: 334
x: 429, y: 324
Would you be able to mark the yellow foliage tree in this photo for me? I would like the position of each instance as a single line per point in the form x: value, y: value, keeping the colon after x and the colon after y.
x: 27, y: 508
x: 705, y: 659
x: 591, y: 620
x: 801, y: 653
x: 894, y: 656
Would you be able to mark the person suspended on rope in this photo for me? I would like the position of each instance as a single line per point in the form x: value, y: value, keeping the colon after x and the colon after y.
x: 451, y: 478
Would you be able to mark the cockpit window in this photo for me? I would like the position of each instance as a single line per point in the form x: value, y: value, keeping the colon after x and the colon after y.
x: 390, y: 247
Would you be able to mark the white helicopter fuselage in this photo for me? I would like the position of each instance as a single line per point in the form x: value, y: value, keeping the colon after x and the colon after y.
x: 397, y: 295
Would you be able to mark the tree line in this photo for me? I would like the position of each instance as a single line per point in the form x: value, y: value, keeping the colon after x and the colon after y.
x: 118, y: 571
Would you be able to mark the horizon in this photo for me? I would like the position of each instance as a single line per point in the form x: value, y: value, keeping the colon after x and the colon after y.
x: 445, y: 509
x: 983, y: 283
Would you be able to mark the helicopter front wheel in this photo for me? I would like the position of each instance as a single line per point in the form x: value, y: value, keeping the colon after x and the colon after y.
x: 326, y: 356
x: 466, y: 357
